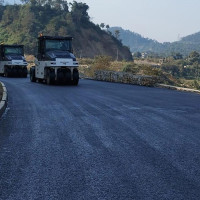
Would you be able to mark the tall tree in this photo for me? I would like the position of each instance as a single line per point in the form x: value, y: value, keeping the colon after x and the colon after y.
x: 79, y: 11
x: 102, y: 25
x: 117, y: 32
x: 107, y: 26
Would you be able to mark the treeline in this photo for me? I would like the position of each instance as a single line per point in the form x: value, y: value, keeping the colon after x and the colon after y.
x: 188, y: 67
x: 22, y: 24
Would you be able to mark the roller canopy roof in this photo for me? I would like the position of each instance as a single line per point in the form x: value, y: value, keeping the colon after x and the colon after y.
x: 55, y: 38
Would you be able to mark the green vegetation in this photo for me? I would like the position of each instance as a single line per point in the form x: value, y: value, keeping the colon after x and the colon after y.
x: 173, y: 70
x: 98, y: 63
x: 188, y: 68
x: 102, y: 62
x: 95, y: 45
x: 22, y: 24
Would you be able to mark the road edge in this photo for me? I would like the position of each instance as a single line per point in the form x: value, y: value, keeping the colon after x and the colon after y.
x: 177, y: 88
x: 3, y: 102
x: 156, y: 86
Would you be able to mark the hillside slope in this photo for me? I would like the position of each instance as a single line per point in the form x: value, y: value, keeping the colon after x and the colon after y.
x: 22, y: 24
x: 135, y: 41
x: 138, y: 43
x: 187, y: 44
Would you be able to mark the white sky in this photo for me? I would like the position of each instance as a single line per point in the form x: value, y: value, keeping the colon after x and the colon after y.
x: 163, y: 20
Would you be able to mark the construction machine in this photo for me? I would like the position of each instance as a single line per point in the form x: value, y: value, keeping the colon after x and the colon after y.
x: 12, y: 61
x: 55, y: 61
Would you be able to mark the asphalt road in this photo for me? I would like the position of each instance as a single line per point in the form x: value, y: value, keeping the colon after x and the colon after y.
x: 100, y: 141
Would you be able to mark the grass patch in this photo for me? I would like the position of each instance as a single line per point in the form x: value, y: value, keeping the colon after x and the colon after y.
x: 193, y: 84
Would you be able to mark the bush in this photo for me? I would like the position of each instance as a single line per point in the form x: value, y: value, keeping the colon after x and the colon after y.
x: 142, y: 69
x: 99, y: 63
x: 131, y: 68
x: 172, y: 69
x: 149, y: 70
x: 196, y: 84
x: 102, y: 62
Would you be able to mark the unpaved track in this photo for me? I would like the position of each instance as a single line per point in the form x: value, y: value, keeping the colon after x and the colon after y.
x: 99, y: 141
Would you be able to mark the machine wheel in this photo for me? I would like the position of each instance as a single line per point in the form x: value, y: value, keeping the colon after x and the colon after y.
x: 75, y: 77
x: 50, y: 77
x: 25, y: 73
x: 6, y: 73
x: 39, y: 80
x: 32, y: 75
x: 75, y: 82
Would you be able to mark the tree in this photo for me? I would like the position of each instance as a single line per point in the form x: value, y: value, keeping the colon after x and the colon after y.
x: 117, y: 32
x: 33, y: 3
x: 102, y: 25
x: 137, y: 55
x: 79, y: 11
x: 107, y: 26
x: 194, y: 56
x: 65, y: 6
x: 59, y: 4
x: 177, y: 56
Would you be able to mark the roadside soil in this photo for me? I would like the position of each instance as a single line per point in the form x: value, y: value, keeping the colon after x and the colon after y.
x: 145, y: 62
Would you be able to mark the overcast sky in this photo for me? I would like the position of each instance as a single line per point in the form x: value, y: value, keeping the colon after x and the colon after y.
x: 163, y: 20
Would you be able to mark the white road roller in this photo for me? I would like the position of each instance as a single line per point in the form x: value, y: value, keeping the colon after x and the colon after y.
x: 55, y: 62
x: 12, y: 61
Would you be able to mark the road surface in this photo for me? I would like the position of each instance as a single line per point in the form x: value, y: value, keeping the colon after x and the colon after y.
x: 100, y: 141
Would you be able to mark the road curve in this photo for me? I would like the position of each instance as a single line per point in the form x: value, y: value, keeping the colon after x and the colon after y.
x: 99, y: 141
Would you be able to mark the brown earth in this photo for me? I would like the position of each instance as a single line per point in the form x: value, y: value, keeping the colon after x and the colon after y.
x: 89, y: 43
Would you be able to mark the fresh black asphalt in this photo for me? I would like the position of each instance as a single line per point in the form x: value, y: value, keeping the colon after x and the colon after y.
x: 99, y: 141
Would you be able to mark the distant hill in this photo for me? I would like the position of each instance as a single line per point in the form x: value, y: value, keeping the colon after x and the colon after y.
x: 187, y: 44
x: 135, y: 41
x: 138, y: 43
x: 22, y: 24
x: 191, y: 39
